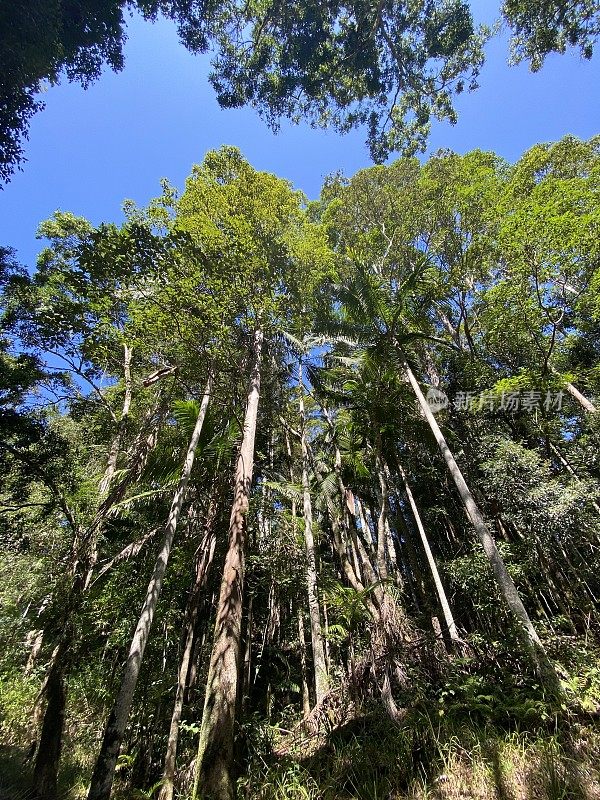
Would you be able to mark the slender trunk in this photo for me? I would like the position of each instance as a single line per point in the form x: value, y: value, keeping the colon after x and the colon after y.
x: 365, y: 528
x: 326, y: 638
x: 352, y: 570
x: 450, y: 624
x: 247, y: 675
x: 45, y: 774
x: 215, y: 748
x: 416, y: 584
x: 116, y: 442
x: 371, y: 580
x: 338, y: 522
x: 392, y: 554
x: 204, y: 560
x: 505, y: 583
x: 302, y: 640
x: 104, y: 769
x: 83, y: 562
x: 267, y: 631
x: 83, y: 558
x: 318, y: 651
x: 340, y: 547
x: 382, y: 497
x: 141, y: 448
x: 581, y: 399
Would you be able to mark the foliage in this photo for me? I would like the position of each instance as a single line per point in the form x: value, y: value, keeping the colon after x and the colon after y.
x: 478, y: 275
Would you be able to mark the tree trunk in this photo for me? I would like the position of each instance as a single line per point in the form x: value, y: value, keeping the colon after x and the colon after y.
x: 505, y: 583
x: 45, y: 774
x: 204, y: 560
x: 215, y: 748
x: 83, y: 562
x: 247, y: 674
x: 382, y: 498
x: 141, y: 448
x: 450, y: 624
x: 367, y: 536
x: 305, y: 692
x: 581, y: 399
x: 301, y: 638
x: 104, y: 769
x: 116, y: 442
x: 318, y: 651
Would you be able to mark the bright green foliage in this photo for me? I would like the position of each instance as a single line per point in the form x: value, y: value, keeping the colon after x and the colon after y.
x: 550, y: 26
x: 484, y: 276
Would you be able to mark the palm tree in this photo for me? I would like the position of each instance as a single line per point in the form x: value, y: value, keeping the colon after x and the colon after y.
x: 386, y: 317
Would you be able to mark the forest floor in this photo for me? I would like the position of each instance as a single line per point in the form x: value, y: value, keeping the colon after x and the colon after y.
x: 369, y: 757
x: 372, y: 758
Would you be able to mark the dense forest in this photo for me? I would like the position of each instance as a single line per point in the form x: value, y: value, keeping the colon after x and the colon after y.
x: 300, y: 499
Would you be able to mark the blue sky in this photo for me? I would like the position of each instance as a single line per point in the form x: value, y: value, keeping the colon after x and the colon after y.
x: 89, y: 150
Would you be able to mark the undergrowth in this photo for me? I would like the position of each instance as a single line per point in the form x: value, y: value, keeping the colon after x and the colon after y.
x: 476, y: 732
x: 429, y: 757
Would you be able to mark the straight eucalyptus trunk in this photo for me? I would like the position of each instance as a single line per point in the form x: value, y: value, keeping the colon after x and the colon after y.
x: 83, y: 560
x: 215, y: 749
x: 204, y: 560
x: 439, y: 586
x: 303, y: 671
x: 318, y: 650
x: 116, y: 442
x: 382, y: 498
x: 581, y: 399
x: 505, y: 583
x: 104, y: 769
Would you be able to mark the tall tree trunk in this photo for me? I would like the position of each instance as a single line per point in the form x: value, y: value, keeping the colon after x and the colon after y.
x: 581, y: 399
x: 301, y: 638
x: 365, y: 528
x: 82, y: 563
x: 143, y: 445
x: 215, y: 748
x: 318, y: 650
x: 116, y: 442
x: 505, y: 583
x: 45, y: 775
x: 382, y: 498
x: 104, y: 769
x: 439, y: 586
x: 366, y: 562
x: 303, y: 672
x: 204, y: 560
x: 247, y: 674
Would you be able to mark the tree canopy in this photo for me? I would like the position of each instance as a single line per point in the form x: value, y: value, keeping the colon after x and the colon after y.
x: 390, y: 67
x: 279, y: 477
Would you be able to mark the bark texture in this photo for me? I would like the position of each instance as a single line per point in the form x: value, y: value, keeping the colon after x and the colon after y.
x: 215, y: 749
x: 316, y: 633
x: 206, y: 553
x: 439, y: 586
x: 505, y: 583
x: 104, y: 769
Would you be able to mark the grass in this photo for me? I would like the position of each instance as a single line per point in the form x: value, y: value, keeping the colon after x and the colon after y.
x: 429, y: 759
